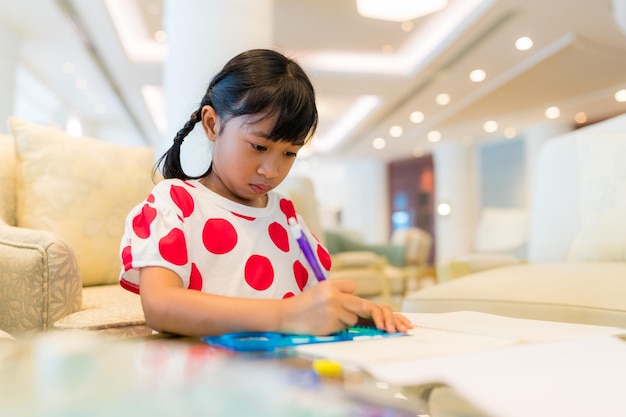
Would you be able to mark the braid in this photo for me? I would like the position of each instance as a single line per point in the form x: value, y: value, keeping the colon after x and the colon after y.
x: 170, y: 161
x: 187, y: 128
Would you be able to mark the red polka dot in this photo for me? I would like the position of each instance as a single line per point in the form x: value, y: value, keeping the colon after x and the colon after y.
x: 243, y: 217
x: 182, y: 199
x: 219, y: 236
x: 301, y: 274
x: 189, y: 184
x: 259, y: 273
x: 279, y: 236
x: 143, y: 220
x: 286, y: 206
x: 127, y: 258
x: 150, y: 198
x: 195, y: 278
x: 288, y: 295
x: 173, y: 247
x: 324, y: 257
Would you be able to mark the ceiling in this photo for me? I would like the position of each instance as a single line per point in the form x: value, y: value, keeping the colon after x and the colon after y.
x: 577, y: 63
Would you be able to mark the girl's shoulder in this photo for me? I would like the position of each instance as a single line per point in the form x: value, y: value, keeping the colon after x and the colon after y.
x: 167, y: 186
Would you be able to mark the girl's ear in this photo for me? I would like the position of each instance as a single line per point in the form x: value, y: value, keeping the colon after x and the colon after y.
x: 210, y: 122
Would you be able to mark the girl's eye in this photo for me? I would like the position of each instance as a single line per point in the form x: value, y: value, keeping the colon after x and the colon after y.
x: 291, y: 154
x: 259, y: 147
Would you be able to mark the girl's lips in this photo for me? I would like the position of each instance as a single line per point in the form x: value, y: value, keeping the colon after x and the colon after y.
x: 260, y: 188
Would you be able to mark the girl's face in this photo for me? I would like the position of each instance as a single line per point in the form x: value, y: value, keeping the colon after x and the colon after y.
x: 246, y: 164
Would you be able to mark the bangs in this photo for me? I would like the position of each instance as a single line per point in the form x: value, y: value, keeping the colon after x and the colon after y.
x: 292, y: 109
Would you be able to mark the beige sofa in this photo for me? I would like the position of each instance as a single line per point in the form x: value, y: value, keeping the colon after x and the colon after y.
x: 575, y: 270
x: 63, y: 201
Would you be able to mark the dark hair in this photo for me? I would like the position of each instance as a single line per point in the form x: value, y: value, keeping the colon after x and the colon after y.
x: 255, y: 82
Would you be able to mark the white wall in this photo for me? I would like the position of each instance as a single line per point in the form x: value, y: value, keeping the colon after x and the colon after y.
x: 357, y: 189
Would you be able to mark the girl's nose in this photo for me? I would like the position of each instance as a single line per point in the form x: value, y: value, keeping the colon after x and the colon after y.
x: 269, y: 167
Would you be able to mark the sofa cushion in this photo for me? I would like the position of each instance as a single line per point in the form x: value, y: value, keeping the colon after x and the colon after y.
x: 107, y: 309
x: 602, y: 198
x: 588, y: 293
x: 7, y: 179
x: 82, y: 189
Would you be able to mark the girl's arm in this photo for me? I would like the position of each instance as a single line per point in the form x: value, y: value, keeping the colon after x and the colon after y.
x: 322, y: 309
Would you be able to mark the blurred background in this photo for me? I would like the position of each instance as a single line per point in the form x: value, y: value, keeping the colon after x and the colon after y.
x: 427, y: 117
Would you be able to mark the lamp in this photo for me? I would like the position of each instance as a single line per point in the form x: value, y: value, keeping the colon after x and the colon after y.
x: 398, y: 10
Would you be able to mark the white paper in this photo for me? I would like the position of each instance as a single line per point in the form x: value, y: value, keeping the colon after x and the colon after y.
x: 506, y: 367
x: 576, y: 378
x: 442, y: 334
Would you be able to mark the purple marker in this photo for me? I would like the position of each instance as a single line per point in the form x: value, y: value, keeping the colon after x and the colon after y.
x: 297, y: 233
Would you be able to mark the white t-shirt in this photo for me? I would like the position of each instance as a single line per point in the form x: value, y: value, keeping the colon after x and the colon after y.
x: 216, y: 245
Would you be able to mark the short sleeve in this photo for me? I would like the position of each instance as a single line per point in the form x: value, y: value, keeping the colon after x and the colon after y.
x: 154, y: 235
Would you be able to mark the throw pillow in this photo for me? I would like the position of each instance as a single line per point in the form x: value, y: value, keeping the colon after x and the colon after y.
x: 602, y: 198
x: 82, y: 189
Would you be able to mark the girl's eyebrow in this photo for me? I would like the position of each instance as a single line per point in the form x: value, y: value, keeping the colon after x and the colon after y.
x: 260, y: 134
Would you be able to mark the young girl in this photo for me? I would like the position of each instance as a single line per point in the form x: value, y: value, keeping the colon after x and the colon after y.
x: 213, y: 254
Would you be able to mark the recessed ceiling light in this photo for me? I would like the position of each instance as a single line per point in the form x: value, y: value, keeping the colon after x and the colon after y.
x: 477, y: 75
x: 395, y: 131
x: 379, y: 143
x: 444, y: 209
x: 407, y: 57
x: 80, y: 83
x: 620, y: 96
x: 160, y: 36
x: 418, y: 151
x: 510, y: 132
x: 490, y: 126
x: 417, y: 117
x: 524, y: 43
x: 68, y: 68
x: 552, y: 112
x: 442, y: 99
x: 406, y: 26
x: 580, y: 117
x: 398, y: 10
x: 434, y: 136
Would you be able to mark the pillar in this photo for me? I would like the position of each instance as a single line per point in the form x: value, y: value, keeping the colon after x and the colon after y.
x: 455, y: 184
x: 366, y: 204
x: 202, y: 35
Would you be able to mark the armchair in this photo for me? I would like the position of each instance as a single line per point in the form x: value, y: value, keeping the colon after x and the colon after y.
x: 63, y: 202
x: 381, y: 271
x: 501, y: 238
x: 575, y: 269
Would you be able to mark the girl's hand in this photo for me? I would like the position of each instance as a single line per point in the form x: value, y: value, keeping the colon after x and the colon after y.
x: 331, y: 306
